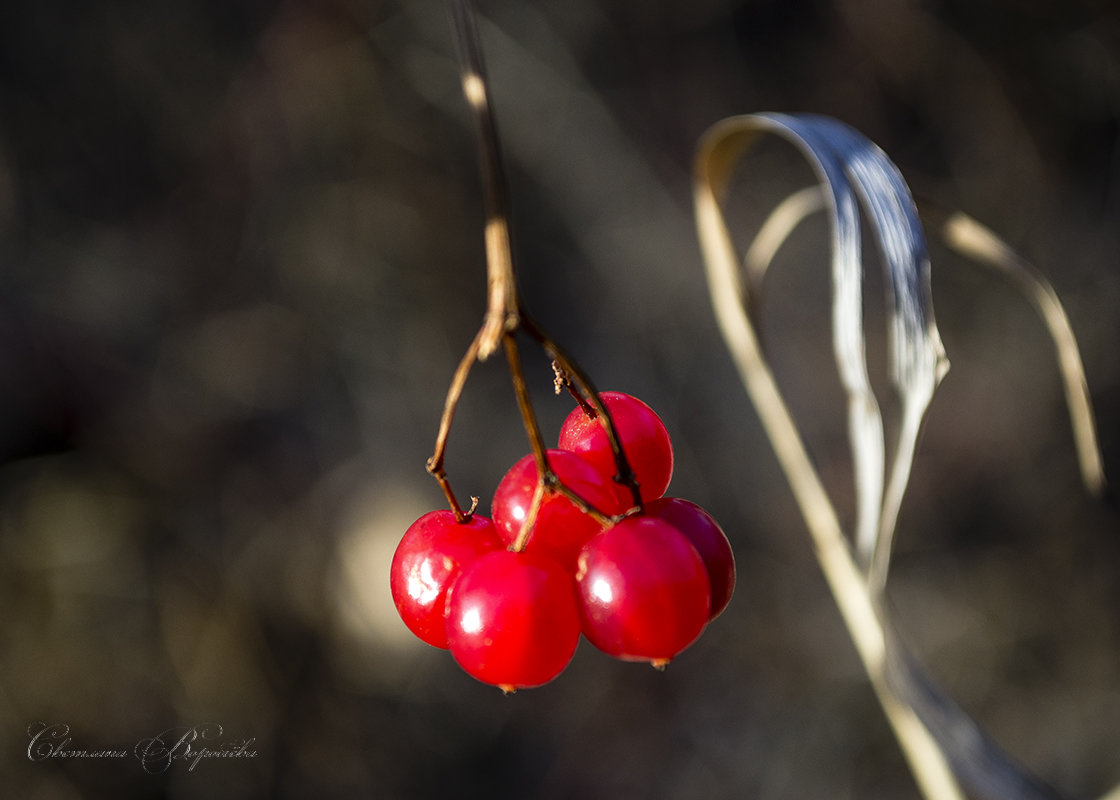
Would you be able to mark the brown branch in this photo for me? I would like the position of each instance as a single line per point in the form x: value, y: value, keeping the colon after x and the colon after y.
x: 454, y: 392
x: 583, y: 381
x: 502, y: 305
x: 503, y: 316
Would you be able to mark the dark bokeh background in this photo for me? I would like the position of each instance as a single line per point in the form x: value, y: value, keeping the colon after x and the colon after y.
x: 240, y: 256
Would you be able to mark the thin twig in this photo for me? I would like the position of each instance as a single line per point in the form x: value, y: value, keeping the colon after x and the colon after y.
x: 502, y: 304
x: 504, y: 316
x: 583, y: 381
x: 547, y: 481
x: 454, y: 392
x: 525, y: 403
x: 564, y: 381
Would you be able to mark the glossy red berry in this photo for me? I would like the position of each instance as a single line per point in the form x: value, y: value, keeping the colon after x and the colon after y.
x: 644, y: 591
x: 428, y: 560
x: 643, y: 436
x: 561, y: 529
x: 708, y: 538
x: 513, y: 619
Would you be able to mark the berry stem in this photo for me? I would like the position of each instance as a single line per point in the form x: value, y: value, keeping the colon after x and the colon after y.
x: 504, y: 316
x: 549, y: 482
x: 564, y: 381
x: 530, y: 519
x: 502, y: 309
x: 454, y: 391
x: 525, y: 405
x: 574, y: 373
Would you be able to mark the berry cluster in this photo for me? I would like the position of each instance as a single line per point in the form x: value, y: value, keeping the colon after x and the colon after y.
x: 509, y: 596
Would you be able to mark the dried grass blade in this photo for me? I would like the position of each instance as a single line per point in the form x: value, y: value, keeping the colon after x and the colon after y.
x: 973, y: 240
x: 718, y: 154
x: 941, y: 742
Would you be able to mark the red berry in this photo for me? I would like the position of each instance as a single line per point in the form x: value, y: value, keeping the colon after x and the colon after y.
x: 644, y: 592
x: 641, y: 432
x: 708, y: 538
x: 513, y: 620
x: 561, y: 528
x: 427, y: 562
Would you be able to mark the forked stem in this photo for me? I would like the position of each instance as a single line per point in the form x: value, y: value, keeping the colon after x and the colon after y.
x: 548, y: 481
x: 504, y: 317
x: 585, y: 386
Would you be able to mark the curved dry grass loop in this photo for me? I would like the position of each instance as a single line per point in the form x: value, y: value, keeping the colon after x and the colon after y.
x: 719, y: 151
x: 942, y: 744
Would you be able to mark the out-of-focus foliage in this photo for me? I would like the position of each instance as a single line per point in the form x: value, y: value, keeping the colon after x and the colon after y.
x: 240, y: 255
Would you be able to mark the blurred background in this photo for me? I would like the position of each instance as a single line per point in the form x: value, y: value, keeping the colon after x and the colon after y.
x: 241, y: 255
